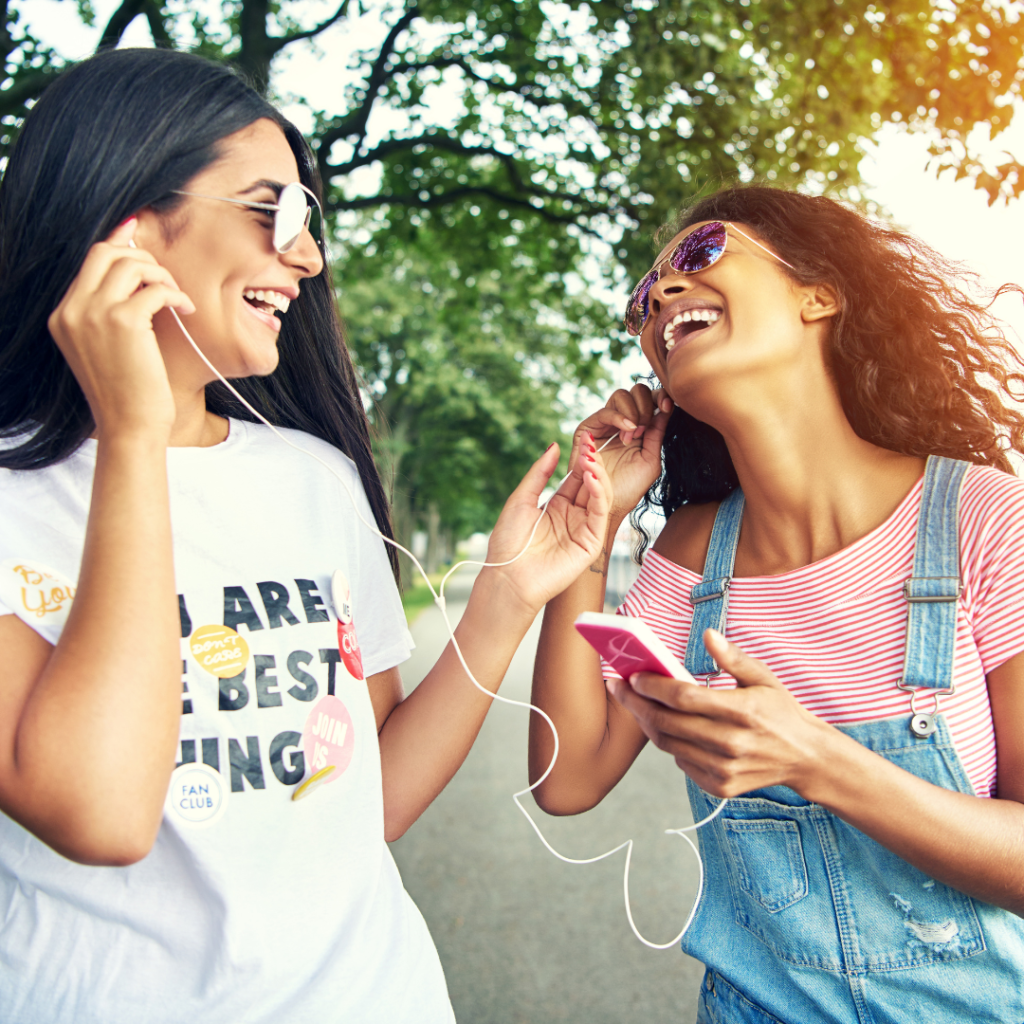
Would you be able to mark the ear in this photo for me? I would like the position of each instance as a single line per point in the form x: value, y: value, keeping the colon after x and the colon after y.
x: 148, y: 232
x: 819, y: 303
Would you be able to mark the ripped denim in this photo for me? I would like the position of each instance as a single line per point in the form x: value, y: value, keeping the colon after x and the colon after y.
x: 806, y: 919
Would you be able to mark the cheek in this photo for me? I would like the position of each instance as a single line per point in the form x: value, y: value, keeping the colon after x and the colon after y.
x: 649, y: 349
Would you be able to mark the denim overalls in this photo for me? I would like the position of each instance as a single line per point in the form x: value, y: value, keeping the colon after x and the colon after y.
x: 806, y: 920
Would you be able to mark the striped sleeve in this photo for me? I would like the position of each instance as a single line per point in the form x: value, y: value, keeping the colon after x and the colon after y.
x: 992, y: 551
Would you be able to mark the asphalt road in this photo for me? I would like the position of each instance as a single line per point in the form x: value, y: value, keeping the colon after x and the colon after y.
x: 524, y: 937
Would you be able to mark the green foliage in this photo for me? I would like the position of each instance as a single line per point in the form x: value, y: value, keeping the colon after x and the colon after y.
x: 464, y: 356
x: 565, y: 132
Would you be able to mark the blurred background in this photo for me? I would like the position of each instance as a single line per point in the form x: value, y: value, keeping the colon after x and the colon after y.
x: 495, y: 173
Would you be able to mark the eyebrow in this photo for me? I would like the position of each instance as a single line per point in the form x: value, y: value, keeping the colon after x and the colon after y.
x: 274, y: 186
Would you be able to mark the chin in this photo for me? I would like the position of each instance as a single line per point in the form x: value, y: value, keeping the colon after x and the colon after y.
x: 259, y: 360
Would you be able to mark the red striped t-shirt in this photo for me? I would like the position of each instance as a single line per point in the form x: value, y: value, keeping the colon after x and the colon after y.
x: 834, y: 631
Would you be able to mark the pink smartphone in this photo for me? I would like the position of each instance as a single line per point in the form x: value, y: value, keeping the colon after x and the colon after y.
x: 629, y: 645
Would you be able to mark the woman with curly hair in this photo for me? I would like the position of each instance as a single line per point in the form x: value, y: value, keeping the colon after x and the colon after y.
x: 842, y: 567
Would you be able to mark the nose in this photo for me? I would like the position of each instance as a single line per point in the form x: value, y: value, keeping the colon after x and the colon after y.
x: 304, y: 256
x: 669, y: 287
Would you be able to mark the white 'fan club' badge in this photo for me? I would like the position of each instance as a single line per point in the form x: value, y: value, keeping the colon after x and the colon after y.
x: 197, y: 796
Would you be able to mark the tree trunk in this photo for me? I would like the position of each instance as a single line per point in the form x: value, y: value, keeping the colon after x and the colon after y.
x: 435, y: 556
x: 257, y: 49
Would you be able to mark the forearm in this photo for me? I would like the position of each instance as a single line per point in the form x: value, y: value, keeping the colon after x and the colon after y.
x: 427, y: 736
x: 971, y: 844
x: 95, y: 743
x: 597, y: 740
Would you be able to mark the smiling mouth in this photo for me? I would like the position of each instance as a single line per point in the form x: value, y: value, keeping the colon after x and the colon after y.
x: 687, y: 323
x: 267, y: 301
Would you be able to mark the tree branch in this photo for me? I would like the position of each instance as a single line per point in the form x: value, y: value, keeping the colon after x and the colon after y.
x: 437, y: 140
x: 119, y: 22
x: 27, y: 88
x: 447, y: 62
x: 356, y: 124
x: 157, y: 28
x: 445, y: 142
x: 283, y: 41
x: 445, y: 198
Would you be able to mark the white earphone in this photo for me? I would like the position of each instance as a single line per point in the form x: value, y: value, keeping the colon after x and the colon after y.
x: 439, y: 600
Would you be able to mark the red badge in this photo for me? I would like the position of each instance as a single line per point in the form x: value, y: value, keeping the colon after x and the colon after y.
x: 348, y: 644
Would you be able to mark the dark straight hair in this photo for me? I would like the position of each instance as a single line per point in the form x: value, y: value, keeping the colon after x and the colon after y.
x: 117, y: 133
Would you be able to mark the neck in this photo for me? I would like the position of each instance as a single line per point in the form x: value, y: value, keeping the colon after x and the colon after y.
x: 194, y: 425
x: 812, y: 486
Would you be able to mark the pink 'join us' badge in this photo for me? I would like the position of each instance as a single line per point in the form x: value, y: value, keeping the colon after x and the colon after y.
x: 328, y: 739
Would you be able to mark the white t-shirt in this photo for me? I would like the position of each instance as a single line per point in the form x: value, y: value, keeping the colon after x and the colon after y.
x: 251, y: 907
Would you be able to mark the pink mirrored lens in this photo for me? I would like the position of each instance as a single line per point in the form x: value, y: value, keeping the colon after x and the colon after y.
x: 699, y: 249
x: 636, y: 309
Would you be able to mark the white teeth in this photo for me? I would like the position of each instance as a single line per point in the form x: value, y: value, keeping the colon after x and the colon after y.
x: 271, y: 298
x: 708, y: 316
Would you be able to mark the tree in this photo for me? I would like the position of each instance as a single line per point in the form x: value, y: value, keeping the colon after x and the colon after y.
x: 578, y: 129
x: 464, y: 359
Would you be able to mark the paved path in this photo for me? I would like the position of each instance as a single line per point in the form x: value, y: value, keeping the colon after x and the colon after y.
x: 524, y: 938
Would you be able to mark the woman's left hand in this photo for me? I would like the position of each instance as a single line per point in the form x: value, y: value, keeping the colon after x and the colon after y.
x: 728, y: 741
x: 568, y: 538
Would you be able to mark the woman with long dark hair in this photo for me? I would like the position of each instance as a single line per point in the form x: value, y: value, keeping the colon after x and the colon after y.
x: 842, y: 568
x: 204, y: 744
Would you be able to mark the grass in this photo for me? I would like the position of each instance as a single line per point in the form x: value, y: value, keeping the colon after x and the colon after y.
x: 418, y: 596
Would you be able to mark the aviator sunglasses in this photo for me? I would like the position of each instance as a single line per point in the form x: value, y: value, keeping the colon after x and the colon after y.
x: 292, y: 213
x: 699, y: 250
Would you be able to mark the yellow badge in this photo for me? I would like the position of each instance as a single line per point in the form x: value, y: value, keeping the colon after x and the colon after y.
x: 38, y: 595
x: 220, y: 650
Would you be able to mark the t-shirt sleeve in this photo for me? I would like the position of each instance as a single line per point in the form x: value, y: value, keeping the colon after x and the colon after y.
x: 384, y: 637
x: 992, y: 549
x: 633, y: 604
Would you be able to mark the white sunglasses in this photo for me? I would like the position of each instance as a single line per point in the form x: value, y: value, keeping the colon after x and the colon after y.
x: 292, y: 213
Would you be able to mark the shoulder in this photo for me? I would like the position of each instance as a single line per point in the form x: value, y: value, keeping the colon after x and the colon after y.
x: 687, y: 535
x: 302, y: 451
x: 992, y: 524
x: 991, y: 497
x: 982, y: 482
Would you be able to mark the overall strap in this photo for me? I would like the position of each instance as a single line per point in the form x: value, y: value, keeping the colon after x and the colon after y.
x: 934, y: 587
x: 711, y: 596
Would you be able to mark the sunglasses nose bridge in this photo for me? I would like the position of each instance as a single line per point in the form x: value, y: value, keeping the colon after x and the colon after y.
x: 670, y: 284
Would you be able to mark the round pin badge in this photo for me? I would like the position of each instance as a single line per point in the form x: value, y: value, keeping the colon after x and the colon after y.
x: 197, y: 797
x: 328, y: 739
x: 348, y: 642
x: 220, y: 650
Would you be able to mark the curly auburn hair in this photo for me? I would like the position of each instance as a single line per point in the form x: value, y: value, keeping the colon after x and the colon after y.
x: 921, y: 367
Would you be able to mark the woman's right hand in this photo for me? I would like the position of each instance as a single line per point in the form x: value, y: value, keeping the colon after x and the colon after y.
x: 636, y: 420
x: 104, y: 327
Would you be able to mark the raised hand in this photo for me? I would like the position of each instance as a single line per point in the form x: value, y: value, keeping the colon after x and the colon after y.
x: 637, y: 419
x: 567, y: 539
x: 104, y: 327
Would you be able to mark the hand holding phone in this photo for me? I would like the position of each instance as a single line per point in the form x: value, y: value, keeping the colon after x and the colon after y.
x: 629, y: 645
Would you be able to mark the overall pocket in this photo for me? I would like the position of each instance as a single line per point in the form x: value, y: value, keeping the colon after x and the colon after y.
x: 821, y: 894
x: 769, y: 859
